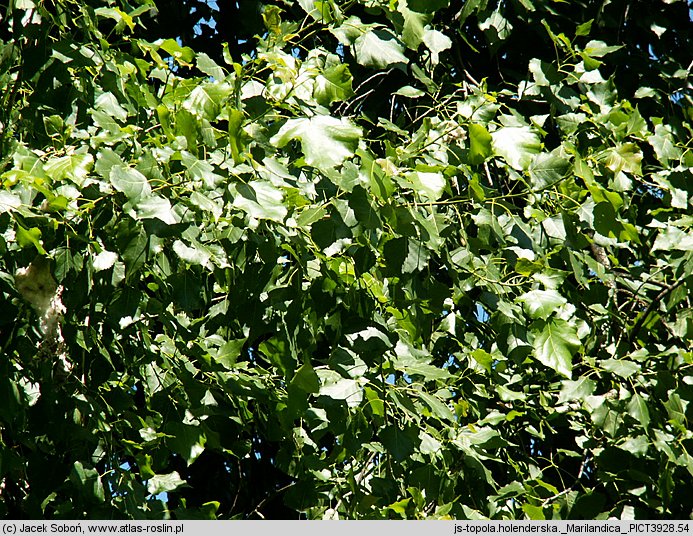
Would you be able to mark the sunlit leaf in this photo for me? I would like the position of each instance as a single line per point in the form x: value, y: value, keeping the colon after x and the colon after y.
x: 326, y: 141
x: 261, y: 200
x: 480, y: 144
x: 104, y: 260
x: 156, y: 207
x: 555, y: 342
x: 131, y: 182
x: 516, y: 145
x: 164, y: 483
x: 541, y: 303
x: 205, y: 101
x: 379, y: 49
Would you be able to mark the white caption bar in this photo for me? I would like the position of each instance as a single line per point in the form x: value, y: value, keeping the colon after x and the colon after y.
x: 349, y: 528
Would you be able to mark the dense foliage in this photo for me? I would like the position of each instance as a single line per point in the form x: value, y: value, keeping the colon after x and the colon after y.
x: 346, y: 259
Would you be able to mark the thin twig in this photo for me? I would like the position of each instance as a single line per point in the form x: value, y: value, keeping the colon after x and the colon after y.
x: 348, y: 104
x: 256, y: 510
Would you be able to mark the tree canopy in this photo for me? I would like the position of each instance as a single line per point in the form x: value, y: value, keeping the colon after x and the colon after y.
x: 346, y: 259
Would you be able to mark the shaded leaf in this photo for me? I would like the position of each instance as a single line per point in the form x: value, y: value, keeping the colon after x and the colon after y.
x: 306, y: 379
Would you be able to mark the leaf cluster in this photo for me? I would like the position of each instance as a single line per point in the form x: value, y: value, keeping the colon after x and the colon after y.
x: 367, y: 259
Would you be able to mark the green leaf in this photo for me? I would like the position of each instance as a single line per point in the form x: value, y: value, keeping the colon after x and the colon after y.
x: 182, y: 55
x: 187, y: 440
x: 554, y: 343
x: 207, y: 99
x: 624, y: 157
x: 533, y: 512
x: 194, y: 254
x: 496, y: 28
x: 206, y: 203
x: 105, y: 160
x: 427, y: 372
x: 165, y: 483
x: 261, y: 201
x: 156, y: 207
x: 335, y: 387
x: 9, y: 202
x: 89, y: 481
x: 200, y: 169
x: 400, y: 507
x: 662, y: 141
x: 637, y: 446
x: 673, y: 238
x: 480, y: 147
x: 236, y: 119
x: 516, y: 145
x: 414, y: 362
x: 584, y: 28
x: 75, y: 167
x: 526, y: 267
x: 436, y: 42
x: 483, y: 358
x: 417, y: 257
x: 310, y: 215
x: 621, y: 367
x: 27, y: 238
x: 546, y: 75
x: 317, y: 9
x: 131, y: 182
x: 547, y: 168
x: 375, y: 403
x: 333, y: 85
x: 576, y: 390
x: 326, y: 141
x: 599, y: 49
x: 438, y: 407
x: 229, y: 352
x: 414, y: 25
x: 637, y: 408
x: 411, y: 93
x: 507, y: 395
x: 306, y: 379
x: 271, y: 16
x: 350, y: 30
x: 541, y: 303
x: 347, y: 363
x: 379, y: 49
x: 427, y: 6
x: 208, y: 66
x: 121, y: 18
x: 429, y: 186
x: 399, y: 443
x: 109, y: 104
x: 429, y: 444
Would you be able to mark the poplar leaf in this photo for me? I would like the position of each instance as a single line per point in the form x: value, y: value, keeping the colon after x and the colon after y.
x: 554, y: 344
x: 326, y: 141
